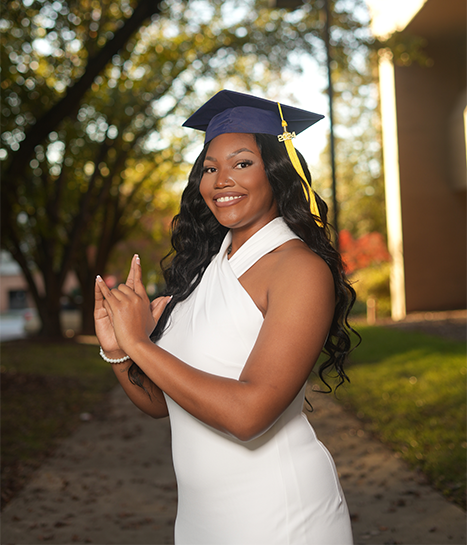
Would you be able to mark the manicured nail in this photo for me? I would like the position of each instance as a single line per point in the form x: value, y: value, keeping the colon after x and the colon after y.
x: 98, y: 278
x: 137, y: 259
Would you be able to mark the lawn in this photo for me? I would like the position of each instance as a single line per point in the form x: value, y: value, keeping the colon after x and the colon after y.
x: 410, y: 389
x: 45, y: 389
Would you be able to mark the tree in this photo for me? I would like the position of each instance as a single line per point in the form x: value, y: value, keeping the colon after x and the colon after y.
x: 93, y: 172
x: 360, y: 187
x: 100, y: 47
x: 358, y: 146
x: 39, y: 95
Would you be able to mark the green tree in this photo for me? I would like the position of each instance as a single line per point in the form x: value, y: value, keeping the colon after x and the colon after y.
x: 358, y: 149
x: 357, y: 123
x: 51, y: 53
x: 90, y: 178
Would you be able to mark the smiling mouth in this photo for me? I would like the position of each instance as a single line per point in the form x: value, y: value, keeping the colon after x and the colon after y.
x: 227, y: 199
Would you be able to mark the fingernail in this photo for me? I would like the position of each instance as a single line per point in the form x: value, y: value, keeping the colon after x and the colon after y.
x: 137, y: 258
x: 170, y: 299
x: 98, y: 278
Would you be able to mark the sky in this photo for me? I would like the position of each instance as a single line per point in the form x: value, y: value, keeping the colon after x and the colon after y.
x: 308, y: 89
x: 393, y: 15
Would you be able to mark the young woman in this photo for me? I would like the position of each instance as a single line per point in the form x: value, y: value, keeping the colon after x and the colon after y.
x: 255, y: 292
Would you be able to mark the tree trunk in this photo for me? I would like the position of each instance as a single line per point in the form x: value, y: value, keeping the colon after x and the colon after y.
x: 48, y: 304
x: 50, y: 318
x: 87, y: 308
x: 88, y: 265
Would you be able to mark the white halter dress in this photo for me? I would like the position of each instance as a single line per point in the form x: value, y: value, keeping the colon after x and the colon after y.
x: 280, y: 488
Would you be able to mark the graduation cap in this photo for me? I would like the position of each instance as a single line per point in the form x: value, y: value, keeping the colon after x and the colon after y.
x: 232, y: 112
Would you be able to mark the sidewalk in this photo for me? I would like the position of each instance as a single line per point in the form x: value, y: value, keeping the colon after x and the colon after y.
x: 112, y: 483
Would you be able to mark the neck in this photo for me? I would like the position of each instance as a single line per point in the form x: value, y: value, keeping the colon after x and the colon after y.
x: 241, y: 235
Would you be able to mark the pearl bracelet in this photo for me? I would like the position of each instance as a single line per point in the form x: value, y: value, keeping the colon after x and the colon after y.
x: 108, y: 360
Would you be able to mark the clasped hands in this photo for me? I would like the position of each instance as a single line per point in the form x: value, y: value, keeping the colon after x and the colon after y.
x: 124, y: 316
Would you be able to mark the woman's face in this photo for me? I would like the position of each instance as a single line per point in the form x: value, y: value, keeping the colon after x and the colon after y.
x: 234, y: 184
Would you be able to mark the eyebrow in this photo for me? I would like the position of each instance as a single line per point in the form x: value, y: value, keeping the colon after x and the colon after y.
x: 233, y: 154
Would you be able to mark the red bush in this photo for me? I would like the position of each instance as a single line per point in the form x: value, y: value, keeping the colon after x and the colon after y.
x: 360, y: 253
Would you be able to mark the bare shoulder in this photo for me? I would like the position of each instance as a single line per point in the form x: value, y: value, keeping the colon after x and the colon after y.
x: 292, y: 275
x: 301, y: 289
x: 295, y: 262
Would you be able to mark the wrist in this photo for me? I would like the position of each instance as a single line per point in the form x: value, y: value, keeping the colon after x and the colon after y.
x: 139, y: 349
x: 114, y: 356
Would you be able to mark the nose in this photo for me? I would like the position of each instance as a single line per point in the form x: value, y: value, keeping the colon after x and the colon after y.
x: 224, y: 179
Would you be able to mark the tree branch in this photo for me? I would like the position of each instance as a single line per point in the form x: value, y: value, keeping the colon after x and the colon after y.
x: 68, y: 104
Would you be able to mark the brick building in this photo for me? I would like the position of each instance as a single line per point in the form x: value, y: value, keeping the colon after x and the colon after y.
x: 424, y: 140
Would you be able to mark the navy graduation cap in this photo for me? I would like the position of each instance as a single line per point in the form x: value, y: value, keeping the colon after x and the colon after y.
x: 229, y: 111
x: 232, y: 112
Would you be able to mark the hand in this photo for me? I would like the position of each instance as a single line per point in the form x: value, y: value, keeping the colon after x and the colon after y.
x: 103, y: 320
x: 129, y: 310
x: 158, y: 307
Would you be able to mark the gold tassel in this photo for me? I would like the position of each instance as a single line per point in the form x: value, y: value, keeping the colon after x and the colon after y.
x: 286, y: 137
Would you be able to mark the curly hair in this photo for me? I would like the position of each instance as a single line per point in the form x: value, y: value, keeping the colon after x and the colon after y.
x: 197, y: 237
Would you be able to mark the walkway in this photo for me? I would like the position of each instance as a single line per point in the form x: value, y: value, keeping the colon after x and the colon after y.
x: 112, y: 483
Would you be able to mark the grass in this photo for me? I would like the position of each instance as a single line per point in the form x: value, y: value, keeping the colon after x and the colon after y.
x: 45, y: 388
x: 410, y: 389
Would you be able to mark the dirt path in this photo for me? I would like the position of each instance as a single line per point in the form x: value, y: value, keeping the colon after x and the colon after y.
x: 389, y: 503
x: 112, y: 483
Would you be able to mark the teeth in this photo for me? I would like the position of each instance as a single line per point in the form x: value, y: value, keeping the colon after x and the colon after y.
x: 226, y: 199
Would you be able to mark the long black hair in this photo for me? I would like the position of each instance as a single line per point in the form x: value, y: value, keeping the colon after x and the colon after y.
x: 197, y: 237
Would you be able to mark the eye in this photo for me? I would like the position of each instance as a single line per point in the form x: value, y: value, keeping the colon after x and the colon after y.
x: 208, y: 170
x: 243, y: 164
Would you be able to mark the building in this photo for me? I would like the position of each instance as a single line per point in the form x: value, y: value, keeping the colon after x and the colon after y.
x: 424, y: 140
x: 13, y: 286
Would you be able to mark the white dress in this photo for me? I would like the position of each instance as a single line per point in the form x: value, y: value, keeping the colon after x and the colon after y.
x: 280, y: 488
